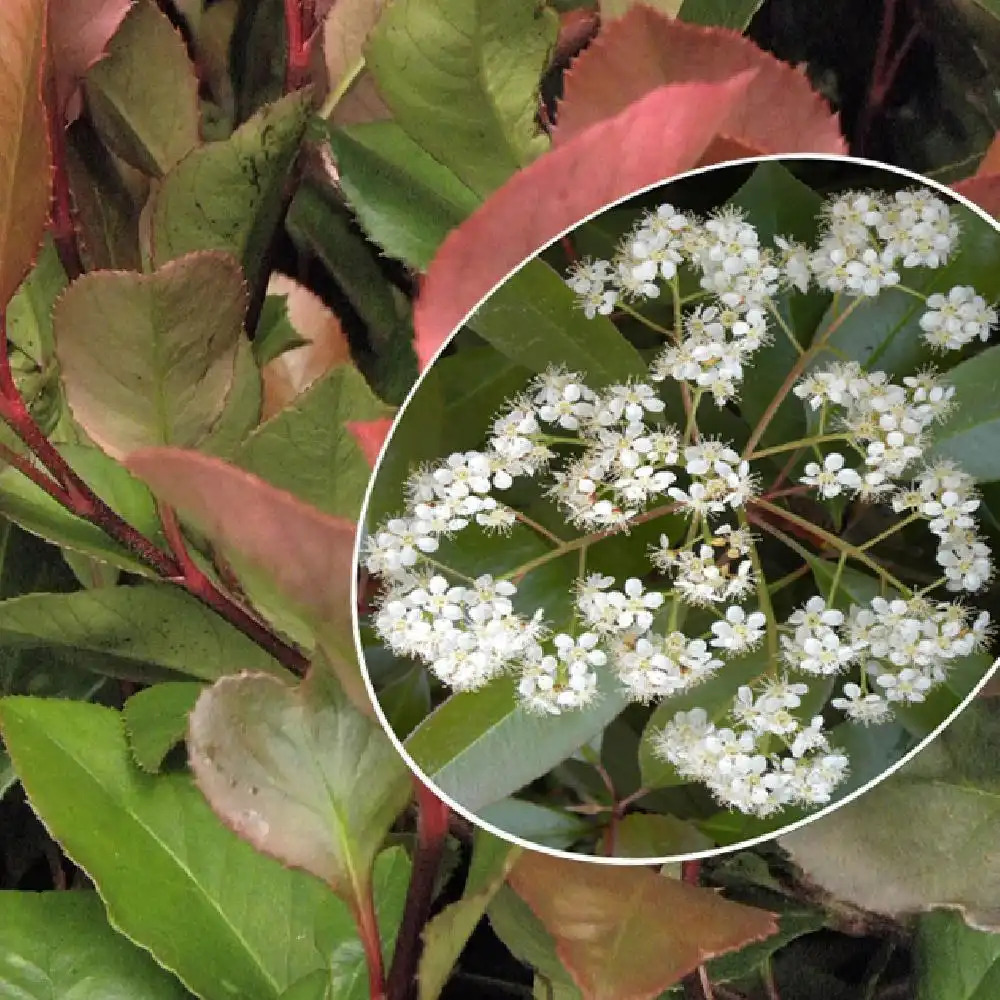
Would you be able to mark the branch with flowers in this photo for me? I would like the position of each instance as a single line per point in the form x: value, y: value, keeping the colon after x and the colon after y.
x: 577, y: 463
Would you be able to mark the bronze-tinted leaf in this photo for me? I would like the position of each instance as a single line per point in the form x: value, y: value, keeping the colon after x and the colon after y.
x: 24, y: 149
x: 629, y: 933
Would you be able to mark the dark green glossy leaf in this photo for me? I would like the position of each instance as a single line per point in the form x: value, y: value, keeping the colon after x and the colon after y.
x: 969, y: 434
x: 885, y: 334
x: 230, y: 195
x: 536, y: 823
x: 534, y: 320
x: 405, y: 200
x: 462, y: 79
x: 735, y: 14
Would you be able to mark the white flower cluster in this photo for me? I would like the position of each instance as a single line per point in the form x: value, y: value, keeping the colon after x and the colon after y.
x: 733, y: 764
x: 887, y: 424
x: 947, y: 498
x: 626, y: 458
x: 867, y: 238
x: 904, y: 647
x: 610, y: 457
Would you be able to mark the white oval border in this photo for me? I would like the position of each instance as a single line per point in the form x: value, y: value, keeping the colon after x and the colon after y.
x: 475, y: 820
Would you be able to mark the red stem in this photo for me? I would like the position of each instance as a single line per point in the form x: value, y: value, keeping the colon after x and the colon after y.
x: 78, y: 498
x: 41, y: 479
x: 194, y: 580
x: 367, y: 922
x: 697, y: 985
x: 432, y: 832
x: 298, y: 46
x: 884, y: 70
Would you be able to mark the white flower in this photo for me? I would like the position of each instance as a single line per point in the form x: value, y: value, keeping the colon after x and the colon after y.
x: 739, y: 631
x: 954, y: 320
x: 831, y: 478
x: 868, y: 709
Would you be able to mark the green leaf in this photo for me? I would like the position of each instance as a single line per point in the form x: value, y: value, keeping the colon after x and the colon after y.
x: 134, y: 627
x: 884, y: 333
x: 447, y: 934
x: 735, y: 14
x: 307, y: 449
x: 462, y: 79
x: 968, y: 435
x: 250, y: 927
x: 738, y: 964
x: 527, y: 939
x: 29, y: 314
x: 347, y: 979
x: 476, y: 383
x: 611, y: 10
x: 299, y: 773
x: 60, y: 944
x: 258, y: 55
x: 538, y: 824
x: 156, y: 720
x: 647, y: 835
x: 322, y: 227
x: 533, y: 319
x: 406, y: 700
x: 275, y: 334
x: 143, y: 97
x: 928, y: 830
x: 241, y: 410
x: 150, y: 359
x: 108, y: 197
x: 229, y: 195
x: 954, y: 961
x: 405, y: 200
x: 472, y: 747
x: 7, y: 776
x: 281, y: 548
x: 35, y: 511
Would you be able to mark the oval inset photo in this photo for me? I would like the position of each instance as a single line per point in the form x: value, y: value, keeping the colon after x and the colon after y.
x: 679, y: 541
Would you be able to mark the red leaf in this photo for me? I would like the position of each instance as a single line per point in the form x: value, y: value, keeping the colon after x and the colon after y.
x: 630, y: 933
x: 370, y: 435
x: 308, y: 555
x: 990, y: 163
x: 983, y: 190
x: 644, y: 50
x: 78, y: 36
x: 664, y: 133
x: 24, y: 147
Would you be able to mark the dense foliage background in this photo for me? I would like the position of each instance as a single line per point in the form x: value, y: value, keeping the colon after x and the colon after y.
x: 189, y: 441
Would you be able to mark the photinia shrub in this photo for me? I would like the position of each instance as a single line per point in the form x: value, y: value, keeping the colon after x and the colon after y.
x: 231, y: 233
